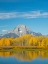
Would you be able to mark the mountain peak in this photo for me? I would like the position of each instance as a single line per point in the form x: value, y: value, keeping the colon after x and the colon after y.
x: 21, y: 30
x: 21, y: 25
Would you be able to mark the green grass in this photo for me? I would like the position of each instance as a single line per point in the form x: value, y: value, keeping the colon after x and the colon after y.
x: 18, y: 49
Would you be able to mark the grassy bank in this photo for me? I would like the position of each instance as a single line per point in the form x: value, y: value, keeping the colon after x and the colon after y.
x: 22, y: 49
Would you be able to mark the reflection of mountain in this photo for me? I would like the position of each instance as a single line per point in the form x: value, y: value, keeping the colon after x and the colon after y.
x: 25, y: 55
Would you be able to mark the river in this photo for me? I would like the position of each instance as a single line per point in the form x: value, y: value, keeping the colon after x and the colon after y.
x: 24, y: 57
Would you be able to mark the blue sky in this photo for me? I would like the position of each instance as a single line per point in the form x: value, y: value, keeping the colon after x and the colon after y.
x: 32, y: 13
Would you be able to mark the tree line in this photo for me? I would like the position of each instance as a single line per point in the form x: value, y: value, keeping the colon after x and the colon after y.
x: 25, y: 40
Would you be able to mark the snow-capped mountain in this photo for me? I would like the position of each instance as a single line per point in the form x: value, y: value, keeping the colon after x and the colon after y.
x: 21, y: 30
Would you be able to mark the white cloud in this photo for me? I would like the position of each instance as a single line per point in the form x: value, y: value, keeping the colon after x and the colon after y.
x: 30, y: 14
x: 7, y: 15
x: 36, y: 14
x: 4, y: 30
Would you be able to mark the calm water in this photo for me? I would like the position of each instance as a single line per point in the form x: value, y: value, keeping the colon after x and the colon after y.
x: 24, y: 57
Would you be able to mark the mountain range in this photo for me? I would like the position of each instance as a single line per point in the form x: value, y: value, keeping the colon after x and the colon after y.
x: 19, y: 31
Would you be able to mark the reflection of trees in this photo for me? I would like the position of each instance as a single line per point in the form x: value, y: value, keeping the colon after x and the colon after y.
x: 5, y: 54
x: 44, y: 54
x: 25, y: 55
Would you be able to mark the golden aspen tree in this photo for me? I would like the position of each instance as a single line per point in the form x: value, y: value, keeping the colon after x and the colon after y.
x: 3, y: 41
x: 7, y: 42
x: 0, y: 43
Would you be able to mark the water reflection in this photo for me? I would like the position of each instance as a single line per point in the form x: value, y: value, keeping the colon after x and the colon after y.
x: 26, y: 55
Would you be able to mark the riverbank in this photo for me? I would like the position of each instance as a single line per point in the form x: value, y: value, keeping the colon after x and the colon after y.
x: 22, y: 49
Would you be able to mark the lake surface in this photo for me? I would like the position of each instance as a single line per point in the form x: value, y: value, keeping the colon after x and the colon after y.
x: 24, y: 57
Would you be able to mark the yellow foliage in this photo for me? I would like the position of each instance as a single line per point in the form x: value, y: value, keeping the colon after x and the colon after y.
x: 25, y: 40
